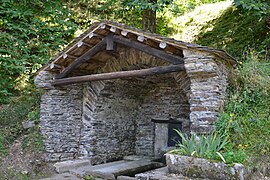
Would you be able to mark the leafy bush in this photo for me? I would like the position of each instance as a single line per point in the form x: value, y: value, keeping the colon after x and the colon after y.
x: 25, y: 107
x: 246, y: 117
x: 21, y: 108
x: 208, y: 147
x: 30, y: 32
x: 260, y: 6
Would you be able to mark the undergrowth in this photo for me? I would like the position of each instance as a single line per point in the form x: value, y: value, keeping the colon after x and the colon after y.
x: 23, y: 108
x: 246, y: 119
x: 234, y: 31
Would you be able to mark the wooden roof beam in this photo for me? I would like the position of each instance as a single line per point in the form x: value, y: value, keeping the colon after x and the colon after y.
x: 86, y: 56
x: 149, y: 50
x: 120, y: 74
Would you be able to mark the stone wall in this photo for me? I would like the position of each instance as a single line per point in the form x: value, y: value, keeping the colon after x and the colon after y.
x: 60, y: 119
x: 166, y: 101
x: 117, y: 116
x: 91, y: 92
x: 110, y: 132
x: 208, y: 82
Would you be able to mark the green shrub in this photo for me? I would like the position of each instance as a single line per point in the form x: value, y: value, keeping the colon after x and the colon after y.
x: 246, y: 120
x: 205, y: 146
x: 3, y: 149
x: 260, y: 6
x: 20, y: 108
x: 30, y: 33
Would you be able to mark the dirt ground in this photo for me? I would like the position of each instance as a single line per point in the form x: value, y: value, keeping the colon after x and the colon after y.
x: 20, y: 164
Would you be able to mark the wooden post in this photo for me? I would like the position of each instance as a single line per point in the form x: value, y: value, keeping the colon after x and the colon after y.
x: 120, y: 74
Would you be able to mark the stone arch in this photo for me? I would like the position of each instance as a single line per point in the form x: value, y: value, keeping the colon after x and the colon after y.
x: 125, y: 107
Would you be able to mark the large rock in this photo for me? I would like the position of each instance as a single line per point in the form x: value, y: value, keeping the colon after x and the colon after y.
x: 203, y: 168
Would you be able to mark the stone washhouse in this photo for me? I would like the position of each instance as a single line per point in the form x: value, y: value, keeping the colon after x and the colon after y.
x: 118, y: 91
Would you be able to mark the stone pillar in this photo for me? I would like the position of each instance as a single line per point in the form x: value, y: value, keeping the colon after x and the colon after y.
x: 208, y: 78
x: 91, y: 92
x: 60, y: 118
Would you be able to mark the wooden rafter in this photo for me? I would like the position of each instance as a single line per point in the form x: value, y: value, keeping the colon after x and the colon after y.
x: 120, y: 74
x: 149, y: 50
x: 76, y: 63
x: 108, y: 43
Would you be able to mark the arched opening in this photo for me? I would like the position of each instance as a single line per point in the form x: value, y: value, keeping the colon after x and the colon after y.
x: 132, y: 116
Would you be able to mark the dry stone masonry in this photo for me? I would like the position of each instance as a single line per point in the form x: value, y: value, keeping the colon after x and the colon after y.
x: 105, y: 120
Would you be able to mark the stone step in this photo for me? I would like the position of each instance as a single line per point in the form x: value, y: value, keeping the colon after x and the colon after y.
x: 118, y: 168
x: 65, y: 166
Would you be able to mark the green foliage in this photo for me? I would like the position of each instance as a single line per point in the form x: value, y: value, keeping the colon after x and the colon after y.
x: 233, y: 155
x: 20, y: 109
x: 234, y: 31
x: 30, y: 32
x: 155, y: 5
x: 33, y: 140
x: 260, y: 6
x: 25, y: 107
x: 85, y: 12
x: 3, y: 149
x: 246, y: 118
x: 208, y: 147
x: 183, y: 6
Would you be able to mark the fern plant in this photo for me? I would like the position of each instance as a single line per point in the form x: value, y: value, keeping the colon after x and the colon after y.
x: 208, y: 147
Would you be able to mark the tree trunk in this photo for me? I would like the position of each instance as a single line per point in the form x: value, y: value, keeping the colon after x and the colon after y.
x: 149, y: 19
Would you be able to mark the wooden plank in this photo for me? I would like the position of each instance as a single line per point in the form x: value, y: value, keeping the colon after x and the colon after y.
x: 109, y: 42
x: 149, y: 50
x: 76, y: 63
x: 120, y: 74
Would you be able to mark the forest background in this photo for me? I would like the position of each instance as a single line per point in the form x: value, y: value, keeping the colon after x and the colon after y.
x: 32, y: 32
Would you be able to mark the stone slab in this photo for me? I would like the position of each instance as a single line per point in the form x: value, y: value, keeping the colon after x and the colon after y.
x: 135, y: 158
x: 65, y: 166
x: 118, y: 168
x: 28, y: 124
x: 125, y: 178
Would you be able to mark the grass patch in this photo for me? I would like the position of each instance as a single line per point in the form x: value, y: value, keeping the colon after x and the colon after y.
x: 20, y: 109
x: 3, y: 149
x: 235, y: 31
x: 191, y: 24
